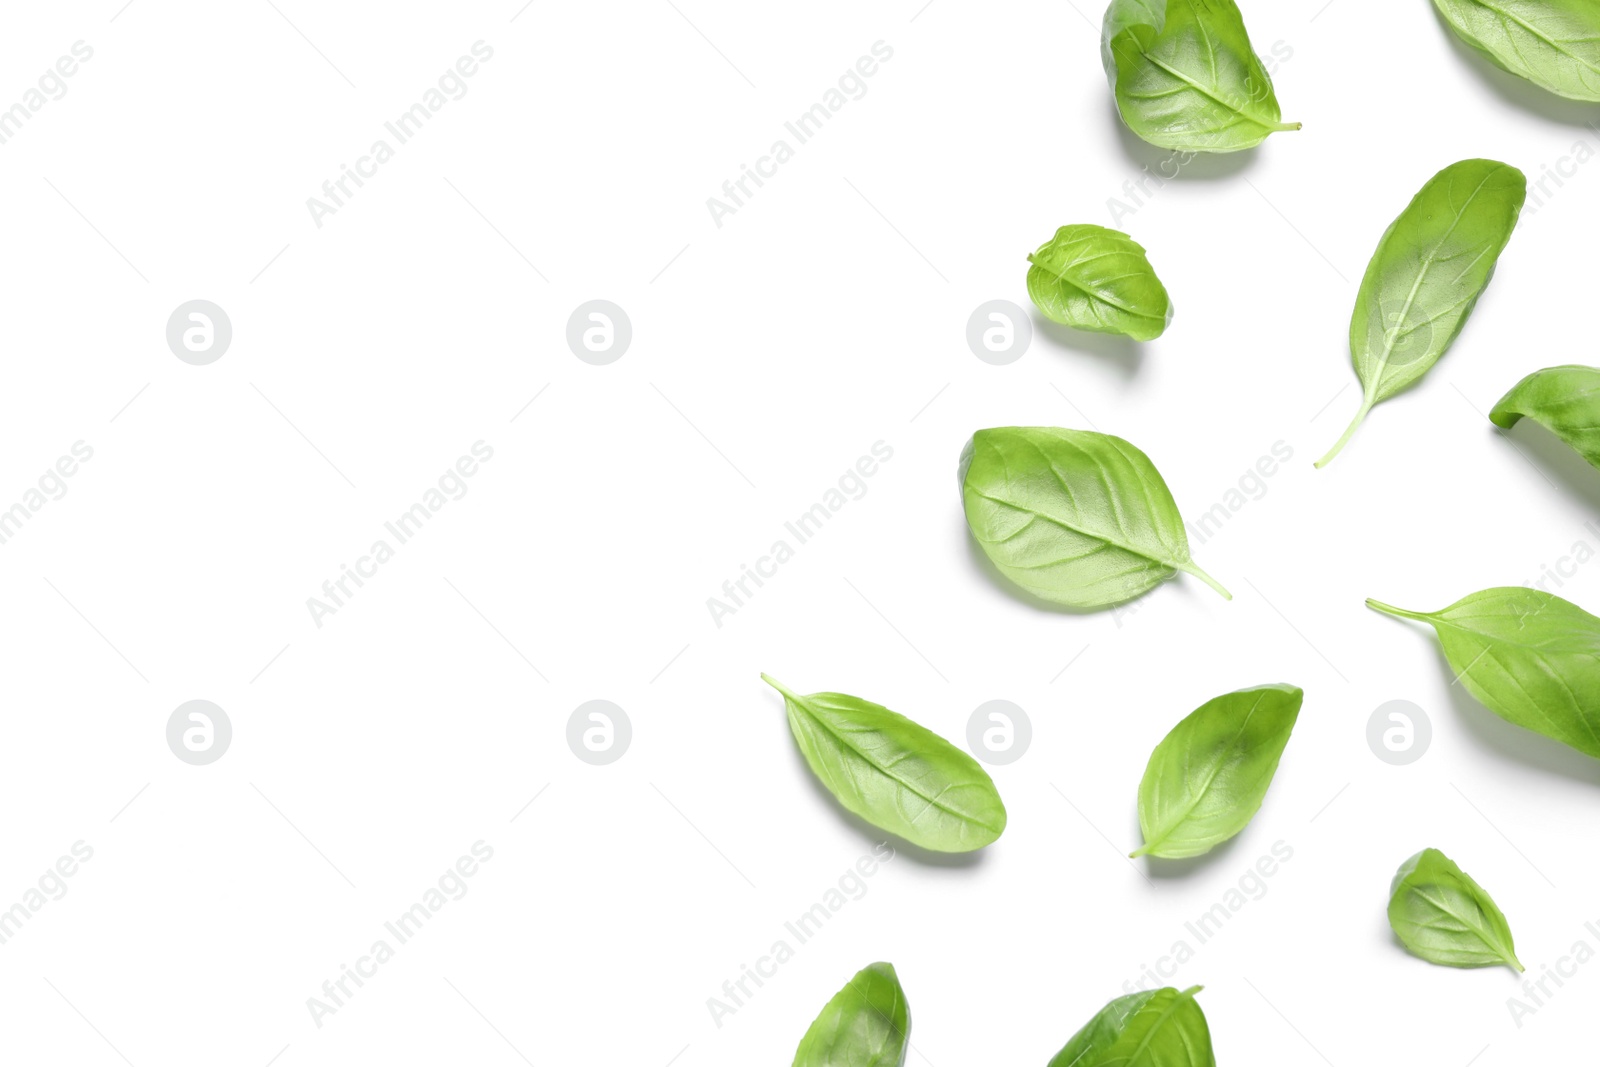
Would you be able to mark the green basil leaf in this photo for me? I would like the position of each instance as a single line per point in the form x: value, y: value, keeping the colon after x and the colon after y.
x: 1092, y: 278
x: 1432, y: 264
x: 1076, y: 518
x: 1207, y: 778
x: 1158, y: 1028
x: 1553, y: 43
x: 898, y: 776
x: 1564, y: 400
x: 1532, y: 658
x: 1439, y: 913
x: 866, y: 1024
x: 1185, y: 76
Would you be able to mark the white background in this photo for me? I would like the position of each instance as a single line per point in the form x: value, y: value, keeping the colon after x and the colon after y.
x: 827, y: 314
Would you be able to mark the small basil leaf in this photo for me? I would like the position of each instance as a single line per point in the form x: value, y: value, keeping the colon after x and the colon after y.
x: 1439, y: 913
x: 1076, y: 518
x: 1185, y: 76
x: 1432, y: 264
x: 1565, y: 400
x: 1092, y: 278
x: 1553, y: 43
x: 1157, y: 1028
x: 866, y: 1024
x: 1532, y: 658
x: 1207, y: 778
x: 898, y: 776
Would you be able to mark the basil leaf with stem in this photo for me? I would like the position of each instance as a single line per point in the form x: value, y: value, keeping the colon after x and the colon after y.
x: 1092, y: 278
x: 897, y: 775
x: 1564, y: 400
x: 1077, y: 518
x: 1553, y: 43
x: 1440, y: 914
x: 1154, y: 1028
x: 1431, y: 266
x: 866, y: 1024
x: 1530, y: 657
x: 1185, y: 76
x: 1207, y: 778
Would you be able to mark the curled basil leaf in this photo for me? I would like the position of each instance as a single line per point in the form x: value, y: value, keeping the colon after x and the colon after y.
x: 1185, y: 76
x: 1564, y: 400
x: 1553, y: 43
x: 1092, y: 278
x: 1157, y: 1028
x: 1207, y: 778
x: 897, y: 775
x: 1440, y: 914
x: 1432, y: 264
x: 1532, y: 658
x: 1074, y: 517
x: 866, y: 1024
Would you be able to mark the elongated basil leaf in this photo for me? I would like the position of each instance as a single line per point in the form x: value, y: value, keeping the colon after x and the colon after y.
x: 1077, y: 518
x: 898, y: 776
x: 1553, y: 43
x: 1185, y: 76
x: 1207, y: 778
x: 1532, y: 658
x: 1092, y: 278
x: 1431, y: 266
x: 866, y: 1024
x: 1564, y: 400
x: 1439, y: 913
x: 1157, y: 1028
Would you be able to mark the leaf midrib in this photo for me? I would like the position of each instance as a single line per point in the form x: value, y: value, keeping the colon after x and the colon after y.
x: 1535, y: 32
x: 800, y: 702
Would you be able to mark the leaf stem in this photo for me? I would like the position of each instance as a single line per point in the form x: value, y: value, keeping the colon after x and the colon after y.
x: 1350, y: 431
x: 779, y: 687
x: 1286, y: 127
x: 1511, y: 958
x: 1142, y: 850
x: 1190, y: 568
x: 1192, y: 990
x: 1390, y: 609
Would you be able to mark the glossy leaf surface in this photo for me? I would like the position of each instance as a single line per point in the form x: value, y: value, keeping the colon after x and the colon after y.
x: 895, y: 774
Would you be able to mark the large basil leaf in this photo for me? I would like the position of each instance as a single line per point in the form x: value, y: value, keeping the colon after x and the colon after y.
x: 866, y: 1024
x: 1076, y: 518
x: 898, y: 776
x: 1532, y: 658
x: 1553, y: 43
x: 1207, y: 778
x: 1565, y: 400
x: 1092, y: 278
x: 1185, y: 76
x: 1432, y: 264
x: 1439, y: 913
x: 1158, y: 1028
